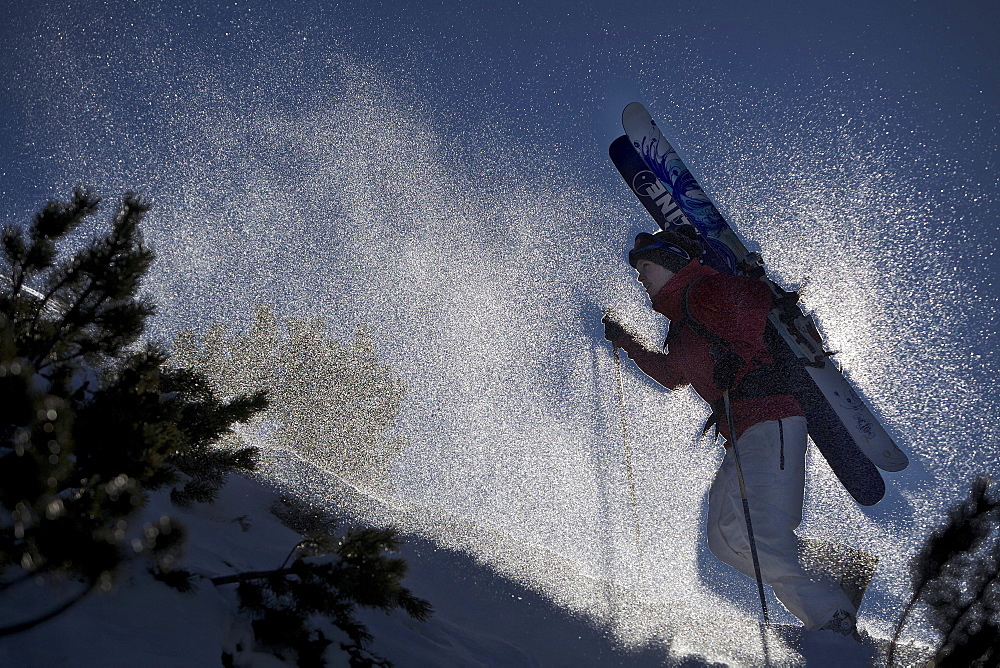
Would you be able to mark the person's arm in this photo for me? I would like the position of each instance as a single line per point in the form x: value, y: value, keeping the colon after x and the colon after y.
x: 658, y: 366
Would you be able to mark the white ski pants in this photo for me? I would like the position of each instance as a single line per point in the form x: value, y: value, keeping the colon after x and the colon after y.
x: 772, y: 455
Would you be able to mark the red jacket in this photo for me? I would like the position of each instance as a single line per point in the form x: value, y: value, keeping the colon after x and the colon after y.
x: 734, y: 308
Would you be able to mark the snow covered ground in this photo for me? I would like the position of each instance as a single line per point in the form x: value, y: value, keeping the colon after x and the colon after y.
x: 480, y: 618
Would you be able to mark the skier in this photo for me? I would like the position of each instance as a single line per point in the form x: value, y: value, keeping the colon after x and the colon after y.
x: 716, y: 343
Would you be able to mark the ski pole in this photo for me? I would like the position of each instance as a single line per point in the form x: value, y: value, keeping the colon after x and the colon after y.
x: 746, y: 514
x: 628, y: 462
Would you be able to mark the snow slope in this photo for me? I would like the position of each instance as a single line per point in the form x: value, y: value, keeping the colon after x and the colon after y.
x: 480, y: 618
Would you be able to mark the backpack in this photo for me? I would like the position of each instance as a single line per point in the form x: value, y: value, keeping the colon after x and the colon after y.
x: 768, y: 379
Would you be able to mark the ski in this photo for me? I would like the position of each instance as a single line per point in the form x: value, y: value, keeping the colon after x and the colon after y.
x: 842, y: 426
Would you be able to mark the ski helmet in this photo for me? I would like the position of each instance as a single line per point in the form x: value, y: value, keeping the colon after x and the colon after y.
x: 668, y: 248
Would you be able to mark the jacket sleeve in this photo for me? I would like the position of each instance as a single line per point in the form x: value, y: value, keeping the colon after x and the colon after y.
x: 658, y: 366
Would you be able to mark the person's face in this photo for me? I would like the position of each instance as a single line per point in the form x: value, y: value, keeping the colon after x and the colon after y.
x: 652, y: 276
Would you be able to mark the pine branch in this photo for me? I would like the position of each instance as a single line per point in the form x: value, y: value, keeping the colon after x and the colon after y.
x: 291, y: 553
x: 77, y: 459
x: 69, y: 275
x: 55, y: 220
x: 282, y: 601
x: 249, y: 576
x: 953, y: 565
x: 44, y: 356
x: 963, y: 611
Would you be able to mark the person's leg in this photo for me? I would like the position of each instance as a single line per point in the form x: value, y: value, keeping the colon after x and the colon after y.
x: 772, y: 455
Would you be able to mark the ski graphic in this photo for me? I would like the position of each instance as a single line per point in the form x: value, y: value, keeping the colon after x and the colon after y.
x: 658, y: 202
x: 840, y: 422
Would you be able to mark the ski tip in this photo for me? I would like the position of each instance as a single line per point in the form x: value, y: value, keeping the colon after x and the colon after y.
x: 632, y: 109
x: 616, y: 144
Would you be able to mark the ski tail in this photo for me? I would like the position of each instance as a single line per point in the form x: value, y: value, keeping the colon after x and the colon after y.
x: 856, y: 472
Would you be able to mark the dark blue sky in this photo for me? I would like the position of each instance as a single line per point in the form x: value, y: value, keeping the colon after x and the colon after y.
x: 915, y: 80
x: 549, y: 67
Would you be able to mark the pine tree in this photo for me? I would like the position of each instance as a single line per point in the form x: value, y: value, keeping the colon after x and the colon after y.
x: 92, y: 420
x: 956, y: 575
x: 331, y: 402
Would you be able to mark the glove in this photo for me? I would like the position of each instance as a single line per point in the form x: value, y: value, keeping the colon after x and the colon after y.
x: 612, y: 328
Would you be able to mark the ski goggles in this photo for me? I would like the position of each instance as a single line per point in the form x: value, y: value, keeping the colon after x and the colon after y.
x: 649, y: 243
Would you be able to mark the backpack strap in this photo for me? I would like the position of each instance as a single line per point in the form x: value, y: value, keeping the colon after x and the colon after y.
x: 727, y: 362
x: 688, y: 320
